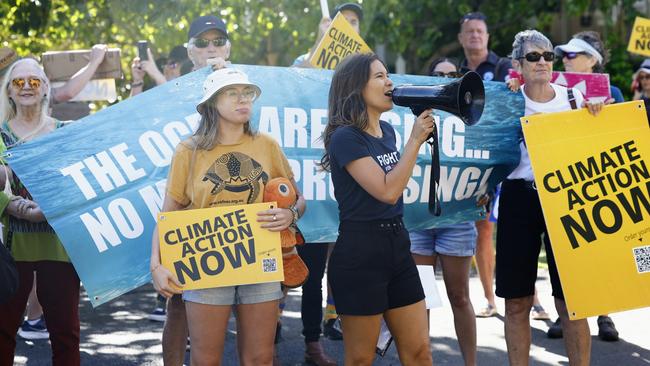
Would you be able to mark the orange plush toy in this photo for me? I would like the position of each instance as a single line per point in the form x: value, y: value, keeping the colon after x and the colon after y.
x: 281, y: 191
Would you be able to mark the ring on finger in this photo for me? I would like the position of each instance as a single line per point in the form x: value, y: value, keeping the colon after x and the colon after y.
x: 274, y: 218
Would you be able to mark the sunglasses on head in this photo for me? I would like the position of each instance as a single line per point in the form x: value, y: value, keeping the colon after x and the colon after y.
x: 473, y: 16
x: 217, y: 42
x: 536, y: 56
x: 453, y: 74
x: 572, y: 55
x: 19, y: 83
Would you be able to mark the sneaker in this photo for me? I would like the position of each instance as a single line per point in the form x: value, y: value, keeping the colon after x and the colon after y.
x: 538, y: 313
x: 34, y: 331
x: 158, y: 315
x: 555, y: 330
x: 606, y: 329
x: 487, y: 312
x: 331, y: 332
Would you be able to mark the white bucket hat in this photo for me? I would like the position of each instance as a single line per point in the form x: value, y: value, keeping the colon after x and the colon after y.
x: 223, y: 78
x: 578, y: 45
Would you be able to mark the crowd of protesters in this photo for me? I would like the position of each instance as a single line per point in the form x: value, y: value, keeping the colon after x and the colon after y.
x: 369, y: 196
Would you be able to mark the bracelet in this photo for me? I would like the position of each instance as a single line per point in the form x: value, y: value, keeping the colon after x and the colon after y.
x: 294, y: 212
x: 152, y: 270
x: 137, y: 85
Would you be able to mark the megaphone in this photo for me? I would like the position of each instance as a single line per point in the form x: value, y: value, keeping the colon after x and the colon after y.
x: 464, y: 98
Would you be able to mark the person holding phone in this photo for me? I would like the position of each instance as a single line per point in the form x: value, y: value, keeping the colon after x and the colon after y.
x: 208, y: 44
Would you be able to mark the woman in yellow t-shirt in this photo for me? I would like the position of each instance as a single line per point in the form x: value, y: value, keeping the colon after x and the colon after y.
x: 225, y: 163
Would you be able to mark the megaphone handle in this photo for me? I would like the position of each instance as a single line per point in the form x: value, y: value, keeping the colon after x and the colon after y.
x: 434, y: 178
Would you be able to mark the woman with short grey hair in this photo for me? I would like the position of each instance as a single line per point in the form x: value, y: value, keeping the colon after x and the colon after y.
x: 521, y: 221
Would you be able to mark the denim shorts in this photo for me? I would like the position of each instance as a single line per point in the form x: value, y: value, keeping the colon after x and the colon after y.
x: 458, y: 240
x: 235, y: 295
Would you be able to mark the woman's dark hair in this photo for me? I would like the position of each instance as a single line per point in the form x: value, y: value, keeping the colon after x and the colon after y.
x: 345, y: 103
x: 440, y: 60
x: 593, y: 38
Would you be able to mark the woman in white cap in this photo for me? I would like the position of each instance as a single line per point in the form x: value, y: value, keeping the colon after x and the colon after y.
x: 586, y: 53
x: 224, y: 132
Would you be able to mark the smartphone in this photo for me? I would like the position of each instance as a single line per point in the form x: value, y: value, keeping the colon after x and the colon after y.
x: 142, y: 50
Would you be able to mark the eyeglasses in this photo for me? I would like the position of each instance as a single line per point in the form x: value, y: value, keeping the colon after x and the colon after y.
x: 172, y: 65
x: 217, y: 42
x: 643, y: 77
x: 453, y: 74
x: 19, y: 83
x: 536, y: 56
x: 572, y: 55
x: 248, y: 94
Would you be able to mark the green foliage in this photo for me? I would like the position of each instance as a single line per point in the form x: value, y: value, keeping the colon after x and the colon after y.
x: 276, y: 31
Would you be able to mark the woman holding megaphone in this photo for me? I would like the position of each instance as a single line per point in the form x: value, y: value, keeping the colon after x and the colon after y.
x: 371, y: 271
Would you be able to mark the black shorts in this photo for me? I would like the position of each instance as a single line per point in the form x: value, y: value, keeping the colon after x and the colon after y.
x: 371, y: 269
x: 520, y: 228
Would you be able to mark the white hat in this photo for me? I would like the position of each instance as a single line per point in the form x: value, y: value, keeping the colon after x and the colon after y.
x: 578, y: 45
x: 223, y: 78
x: 645, y: 66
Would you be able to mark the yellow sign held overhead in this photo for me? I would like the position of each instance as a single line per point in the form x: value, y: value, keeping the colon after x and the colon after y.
x: 593, y: 179
x: 220, y: 246
x: 640, y: 37
x: 340, y: 41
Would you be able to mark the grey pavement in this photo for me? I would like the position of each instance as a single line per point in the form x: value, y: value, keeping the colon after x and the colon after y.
x: 118, y: 333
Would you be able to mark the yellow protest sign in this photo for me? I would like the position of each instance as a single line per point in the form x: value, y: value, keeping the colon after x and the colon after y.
x: 593, y: 179
x: 220, y: 246
x: 640, y: 37
x: 340, y: 40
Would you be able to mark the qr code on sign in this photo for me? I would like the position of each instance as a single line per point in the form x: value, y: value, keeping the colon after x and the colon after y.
x: 269, y: 265
x: 642, y: 258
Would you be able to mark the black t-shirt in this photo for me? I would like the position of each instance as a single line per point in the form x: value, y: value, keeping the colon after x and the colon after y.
x: 495, y: 68
x: 348, y: 144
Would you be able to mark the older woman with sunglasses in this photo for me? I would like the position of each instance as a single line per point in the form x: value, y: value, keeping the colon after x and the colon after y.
x: 521, y: 222
x: 24, y: 99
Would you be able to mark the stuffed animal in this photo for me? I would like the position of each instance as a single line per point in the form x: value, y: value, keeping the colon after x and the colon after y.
x: 281, y: 191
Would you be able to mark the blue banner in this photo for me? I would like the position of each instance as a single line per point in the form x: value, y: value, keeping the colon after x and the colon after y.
x: 101, y: 180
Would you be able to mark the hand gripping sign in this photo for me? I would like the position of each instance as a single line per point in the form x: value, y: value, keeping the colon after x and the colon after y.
x: 221, y: 246
x: 595, y: 87
x: 593, y: 179
x: 340, y: 41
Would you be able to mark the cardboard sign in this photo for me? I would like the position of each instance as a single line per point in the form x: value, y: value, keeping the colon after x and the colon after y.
x: 593, y: 179
x: 100, y: 89
x: 594, y: 87
x: 61, y: 65
x: 640, y: 37
x: 340, y: 41
x: 220, y: 246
